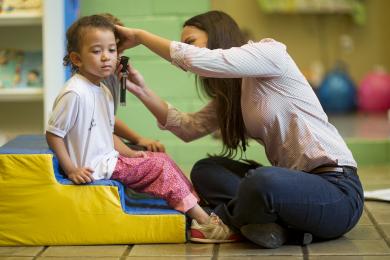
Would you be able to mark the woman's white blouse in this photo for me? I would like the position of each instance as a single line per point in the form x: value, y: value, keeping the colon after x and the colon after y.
x: 279, y: 107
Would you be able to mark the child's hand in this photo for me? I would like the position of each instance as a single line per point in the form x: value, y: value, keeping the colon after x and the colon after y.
x: 135, y: 154
x: 151, y: 145
x: 81, y: 175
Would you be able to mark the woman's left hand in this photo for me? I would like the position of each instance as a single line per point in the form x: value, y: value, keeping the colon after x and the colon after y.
x: 136, y: 83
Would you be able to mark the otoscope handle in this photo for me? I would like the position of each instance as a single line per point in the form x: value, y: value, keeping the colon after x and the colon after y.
x: 123, y: 61
x: 122, y: 96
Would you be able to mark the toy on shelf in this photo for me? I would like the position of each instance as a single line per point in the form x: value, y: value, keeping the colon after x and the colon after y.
x: 10, y: 6
x: 374, y: 91
x: 337, y: 92
x: 20, y: 69
x: 10, y: 63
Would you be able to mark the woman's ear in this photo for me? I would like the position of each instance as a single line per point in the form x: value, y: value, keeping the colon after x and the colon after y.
x: 75, y: 59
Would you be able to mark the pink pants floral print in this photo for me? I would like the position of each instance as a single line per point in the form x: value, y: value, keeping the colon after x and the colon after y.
x: 157, y: 174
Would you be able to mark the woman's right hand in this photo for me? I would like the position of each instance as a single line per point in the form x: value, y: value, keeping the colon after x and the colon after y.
x: 130, y: 37
x: 81, y: 175
x: 127, y: 38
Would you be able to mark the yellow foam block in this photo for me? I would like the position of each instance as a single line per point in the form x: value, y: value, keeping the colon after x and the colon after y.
x: 36, y: 210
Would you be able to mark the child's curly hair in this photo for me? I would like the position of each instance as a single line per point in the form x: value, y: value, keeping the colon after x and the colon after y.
x: 75, y: 33
x: 112, y: 18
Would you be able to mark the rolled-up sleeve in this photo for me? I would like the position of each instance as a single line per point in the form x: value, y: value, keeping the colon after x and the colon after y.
x: 191, y: 126
x: 64, y: 114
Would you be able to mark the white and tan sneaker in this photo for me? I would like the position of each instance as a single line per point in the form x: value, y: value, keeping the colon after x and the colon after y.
x: 213, y: 232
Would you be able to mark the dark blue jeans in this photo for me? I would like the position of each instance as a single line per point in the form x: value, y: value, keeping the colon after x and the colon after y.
x: 327, y: 205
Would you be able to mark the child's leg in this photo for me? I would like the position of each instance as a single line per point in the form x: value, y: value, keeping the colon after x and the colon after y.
x: 158, y: 175
x: 199, y: 214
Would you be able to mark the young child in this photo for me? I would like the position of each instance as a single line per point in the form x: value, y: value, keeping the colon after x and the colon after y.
x: 80, y: 132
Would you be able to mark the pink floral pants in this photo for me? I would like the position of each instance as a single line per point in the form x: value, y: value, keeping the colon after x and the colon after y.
x: 158, y: 175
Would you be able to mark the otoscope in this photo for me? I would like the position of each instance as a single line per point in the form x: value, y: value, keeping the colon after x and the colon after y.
x: 123, y: 61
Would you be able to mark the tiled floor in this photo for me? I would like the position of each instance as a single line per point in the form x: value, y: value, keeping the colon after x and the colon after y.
x: 369, y: 240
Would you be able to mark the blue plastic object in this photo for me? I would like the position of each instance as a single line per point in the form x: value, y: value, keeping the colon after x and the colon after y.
x: 337, y: 92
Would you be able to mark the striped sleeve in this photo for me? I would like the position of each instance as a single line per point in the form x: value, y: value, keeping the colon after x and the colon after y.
x: 191, y: 126
x: 262, y: 59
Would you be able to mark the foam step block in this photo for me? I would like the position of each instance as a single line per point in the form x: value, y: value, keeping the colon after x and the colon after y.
x: 39, y: 206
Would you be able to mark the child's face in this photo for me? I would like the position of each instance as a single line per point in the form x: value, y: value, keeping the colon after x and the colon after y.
x: 98, y: 55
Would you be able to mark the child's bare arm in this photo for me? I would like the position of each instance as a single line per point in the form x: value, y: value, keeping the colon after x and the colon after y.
x: 57, y: 144
x: 122, y: 130
x: 124, y: 150
x: 75, y: 174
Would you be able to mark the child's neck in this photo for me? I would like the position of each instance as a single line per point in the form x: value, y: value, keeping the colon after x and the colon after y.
x: 94, y: 80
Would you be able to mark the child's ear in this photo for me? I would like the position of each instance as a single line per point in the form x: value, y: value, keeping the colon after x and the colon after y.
x: 75, y: 59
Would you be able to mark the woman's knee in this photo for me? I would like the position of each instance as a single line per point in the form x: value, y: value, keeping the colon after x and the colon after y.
x: 198, y: 172
x: 261, y: 180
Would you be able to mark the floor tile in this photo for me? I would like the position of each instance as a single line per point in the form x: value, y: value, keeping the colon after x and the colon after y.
x: 364, y: 219
x: 361, y: 232
x: 85, y: 251
x: 349, y: 247
x: 170, y: 257
x: 249, y: 249
x: 261, y: 257
x: 188, y: 249
x: 377, y: 205
x: 78, y: 258
x: 20, y: 250
x: 386, y: 229
x: 16, y: 258
x: 350, y: 257
x: 381, y: 216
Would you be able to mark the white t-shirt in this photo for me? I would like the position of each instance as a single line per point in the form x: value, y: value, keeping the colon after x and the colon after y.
x: 83, y: 114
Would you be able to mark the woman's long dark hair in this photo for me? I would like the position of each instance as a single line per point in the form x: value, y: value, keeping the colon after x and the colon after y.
x: 223, y: 33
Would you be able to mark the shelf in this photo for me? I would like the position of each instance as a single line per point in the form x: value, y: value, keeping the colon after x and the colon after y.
x: 21, y: 18
x: 308, y: 6
x: 21, y: 94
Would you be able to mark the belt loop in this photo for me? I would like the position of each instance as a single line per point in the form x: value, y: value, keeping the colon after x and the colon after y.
x: 350, y: 168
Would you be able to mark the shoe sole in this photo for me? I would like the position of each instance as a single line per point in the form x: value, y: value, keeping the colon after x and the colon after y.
x: 268, y: 235
x: 272, y: 235
x: 307, y: 239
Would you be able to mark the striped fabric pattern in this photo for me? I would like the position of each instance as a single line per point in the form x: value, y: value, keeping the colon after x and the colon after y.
x: 279, y: 107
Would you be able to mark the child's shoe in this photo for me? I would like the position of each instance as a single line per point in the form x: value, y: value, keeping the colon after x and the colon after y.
x: 213, y: 232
